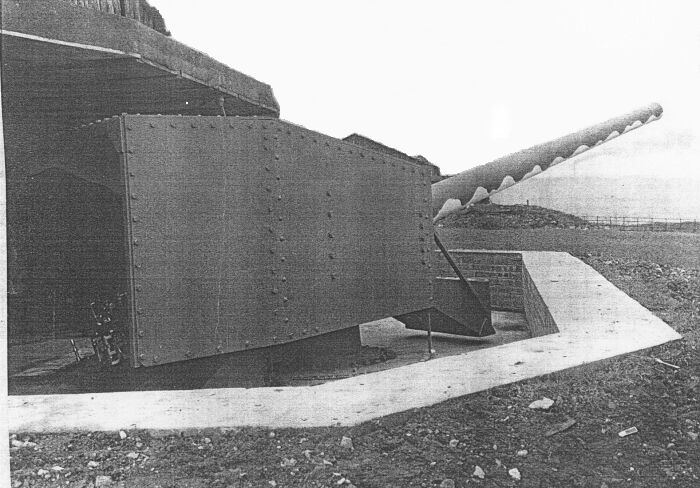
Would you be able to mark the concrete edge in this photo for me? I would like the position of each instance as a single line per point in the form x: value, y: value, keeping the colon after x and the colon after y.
x: 595, y: 328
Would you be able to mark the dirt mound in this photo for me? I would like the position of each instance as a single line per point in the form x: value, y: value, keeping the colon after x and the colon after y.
x: 493, y: 216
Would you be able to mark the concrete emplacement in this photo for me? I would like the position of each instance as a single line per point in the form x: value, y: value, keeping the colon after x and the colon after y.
x: 574, y: 314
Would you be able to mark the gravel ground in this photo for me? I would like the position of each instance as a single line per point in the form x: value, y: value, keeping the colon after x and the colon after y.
x: 477, y: 440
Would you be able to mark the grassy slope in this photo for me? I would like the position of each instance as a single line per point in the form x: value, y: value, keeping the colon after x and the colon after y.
x: 414, y: 449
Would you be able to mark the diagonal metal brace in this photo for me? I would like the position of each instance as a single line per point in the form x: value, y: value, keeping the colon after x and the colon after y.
x: 458, y: 272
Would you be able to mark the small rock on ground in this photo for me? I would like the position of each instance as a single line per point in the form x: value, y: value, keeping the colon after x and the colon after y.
x: 346, y: 442
x: 103, y: 481
x: 543, y: 404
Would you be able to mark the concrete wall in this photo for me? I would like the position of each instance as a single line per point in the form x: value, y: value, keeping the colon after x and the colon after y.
x: 539, y: 318
x: 138, y: 10
x: 504, y: 270
x: 512, y: 287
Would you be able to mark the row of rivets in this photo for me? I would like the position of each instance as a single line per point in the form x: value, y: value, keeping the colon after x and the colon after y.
x: 278, y: 270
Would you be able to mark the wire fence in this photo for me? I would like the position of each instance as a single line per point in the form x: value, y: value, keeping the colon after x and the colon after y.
x: 652, y: 224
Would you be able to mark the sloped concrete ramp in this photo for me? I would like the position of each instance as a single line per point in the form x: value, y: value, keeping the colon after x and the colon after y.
x: 595, y: 321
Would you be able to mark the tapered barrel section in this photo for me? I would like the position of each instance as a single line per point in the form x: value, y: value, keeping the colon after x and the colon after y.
x: 478, y: 183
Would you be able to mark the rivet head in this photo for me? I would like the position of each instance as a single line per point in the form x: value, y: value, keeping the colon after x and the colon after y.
x: 284, y: 278
x: 279, y: 197
x: 142, y: 356
x: 283, y: 259
x: 285, y: 299
x: 275, y: 291
x: 286, y: 319
x: 282, y: 239
x: 134, y: 197
x: 140, y: 333
x: 277, y: 157
x: 136, y: 242
x: 331, y: 256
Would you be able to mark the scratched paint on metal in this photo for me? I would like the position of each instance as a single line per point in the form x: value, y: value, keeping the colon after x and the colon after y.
x: 249, y: 232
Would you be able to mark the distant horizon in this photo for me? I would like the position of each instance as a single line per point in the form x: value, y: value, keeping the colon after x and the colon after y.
x: 608, y: 196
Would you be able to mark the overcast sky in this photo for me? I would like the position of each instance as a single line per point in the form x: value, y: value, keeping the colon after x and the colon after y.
x: 458, y: 82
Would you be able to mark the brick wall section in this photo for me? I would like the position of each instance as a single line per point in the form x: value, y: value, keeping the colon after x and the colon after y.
x: 539, y: 319
x: 503, y: 269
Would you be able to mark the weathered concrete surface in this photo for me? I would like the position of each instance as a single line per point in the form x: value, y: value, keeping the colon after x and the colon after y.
x: 596, y: 321
x: 61, y: 23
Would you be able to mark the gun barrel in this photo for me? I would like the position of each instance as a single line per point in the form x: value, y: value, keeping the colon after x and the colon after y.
x: 478, y: 183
